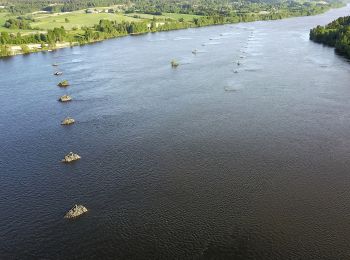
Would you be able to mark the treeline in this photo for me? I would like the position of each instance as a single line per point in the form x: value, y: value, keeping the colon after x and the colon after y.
x: 29, y: 6
x: 104, y: 30
x: 74, y: 5
x: 51, y: 37
x: 19, y: 23
x: 231, y: 8
x: 228, y: 8
x: 108, y: 29
x: 335, y: 34
x: 24, y: 6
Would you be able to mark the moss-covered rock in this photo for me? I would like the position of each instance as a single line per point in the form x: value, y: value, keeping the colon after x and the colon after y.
x: 63, y: 83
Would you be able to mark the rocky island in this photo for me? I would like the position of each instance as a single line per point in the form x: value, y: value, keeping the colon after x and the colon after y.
x: 71, y: 157
x: 174, y: 64
x: 63, y: 83
x: 65, y: 98
x: 76, y: 211
x: 68, y: 121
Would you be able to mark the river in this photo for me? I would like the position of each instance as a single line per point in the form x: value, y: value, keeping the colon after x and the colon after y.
x: 243, y: 151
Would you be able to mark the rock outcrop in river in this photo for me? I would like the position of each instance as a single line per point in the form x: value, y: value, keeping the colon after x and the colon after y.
x: 76, y: 211
x: 63, y: 83
x: 174, y: 63
x: 65, y: 98
x: 71, y: 157
x: 68, y: 121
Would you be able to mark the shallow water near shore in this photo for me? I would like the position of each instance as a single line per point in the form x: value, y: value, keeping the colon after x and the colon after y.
x: 241, y: 152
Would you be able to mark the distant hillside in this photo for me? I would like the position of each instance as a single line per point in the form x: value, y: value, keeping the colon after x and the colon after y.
x: 335, y: 34
x: 198, y: 7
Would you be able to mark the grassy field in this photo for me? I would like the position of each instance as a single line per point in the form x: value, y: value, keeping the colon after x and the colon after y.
x: 76, y: 19
x: 3, y: 18
x: 186, y: 17
x: 142, y: 16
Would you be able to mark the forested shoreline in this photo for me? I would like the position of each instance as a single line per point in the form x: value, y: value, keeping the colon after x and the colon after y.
x: 335, y: 34
x: 204, y: 14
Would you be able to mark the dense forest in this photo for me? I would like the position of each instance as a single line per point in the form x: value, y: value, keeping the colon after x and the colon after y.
x: 200, y: 7
x: 28, y: 6
x: 228, y: 8
x: 335, y: 34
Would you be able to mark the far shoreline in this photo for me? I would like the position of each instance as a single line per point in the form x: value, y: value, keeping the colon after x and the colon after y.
x: 35, y: 48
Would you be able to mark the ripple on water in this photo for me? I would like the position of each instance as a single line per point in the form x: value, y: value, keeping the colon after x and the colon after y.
x: 157, y: 40
x: 182, y: 38
x: 211, y: 43
x: 253, y: 69
x: 76, y: 60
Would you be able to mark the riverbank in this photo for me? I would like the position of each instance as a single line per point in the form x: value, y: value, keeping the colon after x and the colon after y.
x: 335, y: 34
x: 103, y: 31
x: 32, y: 48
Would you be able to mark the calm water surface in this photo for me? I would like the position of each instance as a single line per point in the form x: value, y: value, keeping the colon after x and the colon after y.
x: 211, y: 160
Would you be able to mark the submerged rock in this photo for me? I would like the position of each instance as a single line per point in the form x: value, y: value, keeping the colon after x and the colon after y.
x: 76, y: 211
x: 63, y: 83
x: 174, y: 63
x: 68, y: 121
x: 194, y: 51
x: 230, y: 89
x: 65, y: 98
x: 71, y: 157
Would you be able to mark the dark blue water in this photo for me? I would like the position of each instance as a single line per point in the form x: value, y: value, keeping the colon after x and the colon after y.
x: 194, y: 162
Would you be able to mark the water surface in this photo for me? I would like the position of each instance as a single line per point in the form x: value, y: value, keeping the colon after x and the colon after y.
x: 210, y: 160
